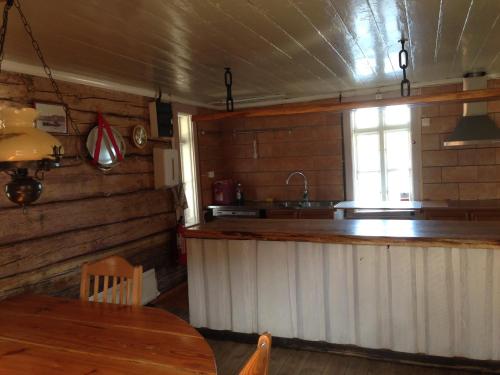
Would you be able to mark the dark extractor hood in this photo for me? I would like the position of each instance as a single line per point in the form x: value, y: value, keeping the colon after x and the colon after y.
x: 475, y: 127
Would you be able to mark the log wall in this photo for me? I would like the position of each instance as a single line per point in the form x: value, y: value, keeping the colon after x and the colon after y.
x: 84, y: 214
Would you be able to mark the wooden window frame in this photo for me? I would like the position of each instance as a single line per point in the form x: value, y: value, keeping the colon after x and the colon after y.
x: 416, y: 153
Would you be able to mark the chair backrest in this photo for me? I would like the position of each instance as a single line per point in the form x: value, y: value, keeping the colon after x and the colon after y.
x: 258, y: 364
x: 126, y: 281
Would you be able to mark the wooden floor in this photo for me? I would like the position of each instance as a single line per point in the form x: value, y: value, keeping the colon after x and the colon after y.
x: 231, y: 356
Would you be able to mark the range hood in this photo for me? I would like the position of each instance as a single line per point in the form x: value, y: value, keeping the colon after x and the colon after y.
x: 475, y: 127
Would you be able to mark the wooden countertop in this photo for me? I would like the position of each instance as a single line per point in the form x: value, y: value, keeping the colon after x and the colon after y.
x: 382, y: 205
x: 291, y: 205
x: 492, y: 204
x: 377, y: 232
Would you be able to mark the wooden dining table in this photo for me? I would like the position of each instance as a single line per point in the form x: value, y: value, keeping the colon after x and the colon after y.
x: 49, y: 335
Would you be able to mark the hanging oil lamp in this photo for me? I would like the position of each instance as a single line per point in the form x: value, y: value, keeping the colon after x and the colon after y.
x: 24, y: 147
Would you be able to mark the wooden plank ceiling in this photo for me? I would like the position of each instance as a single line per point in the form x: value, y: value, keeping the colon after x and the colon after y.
x: 277, y: 49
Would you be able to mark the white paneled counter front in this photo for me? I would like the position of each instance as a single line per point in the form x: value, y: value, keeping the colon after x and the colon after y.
x: 438, y: 300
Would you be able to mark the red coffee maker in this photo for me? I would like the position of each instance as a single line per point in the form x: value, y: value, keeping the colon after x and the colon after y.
x: 224, y: 192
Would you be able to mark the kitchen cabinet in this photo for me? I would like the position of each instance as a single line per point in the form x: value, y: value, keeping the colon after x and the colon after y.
x: 462, y: 214
x: 484, y: 215
x: 282, y: 213
x: 316, y: 214
x: 303, y: 213
x: 446, y: 214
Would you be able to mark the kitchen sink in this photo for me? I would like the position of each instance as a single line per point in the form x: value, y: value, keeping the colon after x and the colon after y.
x: 310, y: 204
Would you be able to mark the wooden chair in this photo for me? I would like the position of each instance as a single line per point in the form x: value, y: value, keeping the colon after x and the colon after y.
x: 258, y: 364
x: 123, y: 276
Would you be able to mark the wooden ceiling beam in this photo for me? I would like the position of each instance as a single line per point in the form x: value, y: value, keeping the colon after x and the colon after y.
x: 450, y: 97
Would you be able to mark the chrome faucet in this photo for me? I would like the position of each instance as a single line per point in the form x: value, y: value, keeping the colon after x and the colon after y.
x: 305, y: 198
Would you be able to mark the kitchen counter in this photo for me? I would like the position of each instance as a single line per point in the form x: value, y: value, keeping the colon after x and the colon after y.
x: 493, y: 204
x: 482, y: 210
x: 414, y: 232
x: 411, y: 286
x: 379, y: 205
x: 256, y: 205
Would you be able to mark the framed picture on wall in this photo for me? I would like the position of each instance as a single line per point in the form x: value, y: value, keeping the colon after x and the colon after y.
x: 51, y: 118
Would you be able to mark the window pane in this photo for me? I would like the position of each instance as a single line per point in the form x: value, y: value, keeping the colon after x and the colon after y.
x: 368, y: 186
x: 399, y: 185
x: 397, y: 149
x: 366, y: 118
x: 367, y: 152
x: 396, y: 115
x: 188, y: 168
x: 382, y: 163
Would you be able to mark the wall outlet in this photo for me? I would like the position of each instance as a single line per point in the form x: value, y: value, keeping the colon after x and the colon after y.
x: 211, y: 174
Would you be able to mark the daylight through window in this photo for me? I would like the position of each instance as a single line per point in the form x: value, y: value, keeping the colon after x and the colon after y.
x: 381, y: 146
x: 188, y: 167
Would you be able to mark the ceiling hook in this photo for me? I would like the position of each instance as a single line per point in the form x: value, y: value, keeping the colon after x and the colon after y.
x: 403, y: 64
x: 228, y: 81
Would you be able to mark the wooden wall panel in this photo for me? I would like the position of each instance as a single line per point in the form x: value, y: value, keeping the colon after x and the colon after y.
x: 310, y: 143
x: 465, y: 172
x: 84, y: 214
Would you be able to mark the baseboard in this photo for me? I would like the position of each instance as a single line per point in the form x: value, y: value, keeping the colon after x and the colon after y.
x: 455, y: 363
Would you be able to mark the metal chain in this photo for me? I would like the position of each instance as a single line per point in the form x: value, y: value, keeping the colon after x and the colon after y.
x: 48, y: 72
x: 228, y: 79
x: 403, y: 55
x: 3, y: 29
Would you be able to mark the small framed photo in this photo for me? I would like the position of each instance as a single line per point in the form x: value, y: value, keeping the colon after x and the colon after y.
x: 51, y: 118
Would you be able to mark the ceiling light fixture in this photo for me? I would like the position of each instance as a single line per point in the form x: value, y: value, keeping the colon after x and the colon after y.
x: 22, y: 146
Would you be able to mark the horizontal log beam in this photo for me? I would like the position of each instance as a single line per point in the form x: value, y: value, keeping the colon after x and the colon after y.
x: 29, y: 255
x: 449, y: 97
x: 63, y: 275
x: 52, y: 218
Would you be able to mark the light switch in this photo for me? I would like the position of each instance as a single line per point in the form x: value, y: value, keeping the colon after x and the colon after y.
x: 426, y: 121
x: 211, y: 174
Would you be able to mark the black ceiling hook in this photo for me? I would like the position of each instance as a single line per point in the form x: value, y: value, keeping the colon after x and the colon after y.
x: 403, y: 64
x: 228, y: 81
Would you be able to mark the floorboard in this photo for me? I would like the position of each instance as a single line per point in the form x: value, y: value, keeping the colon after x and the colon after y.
x: 231, y: 356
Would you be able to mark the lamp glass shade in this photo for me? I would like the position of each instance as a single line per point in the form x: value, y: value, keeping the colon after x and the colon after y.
x: 23, y: 189
x: 20, y: 140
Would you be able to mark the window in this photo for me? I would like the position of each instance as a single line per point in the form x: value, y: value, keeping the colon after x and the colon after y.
x: 188, y: 168
x: 382, y: 153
